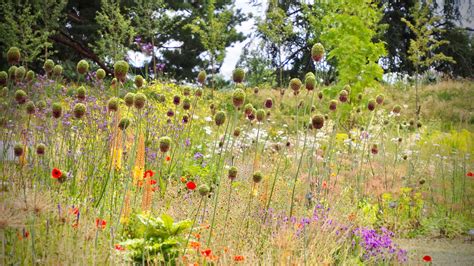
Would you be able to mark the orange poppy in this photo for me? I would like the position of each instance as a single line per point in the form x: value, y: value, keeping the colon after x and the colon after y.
x: 239, y: 258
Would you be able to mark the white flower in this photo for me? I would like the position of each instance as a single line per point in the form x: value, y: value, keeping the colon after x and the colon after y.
x: 208, y: 130
x: 207, y: 119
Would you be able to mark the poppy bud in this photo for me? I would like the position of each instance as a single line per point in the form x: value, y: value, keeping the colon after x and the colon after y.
x: 238, y: 75
x: 100, y: 74
x: 165, y: 143
x: 20, y: 96
x: 129, y: 99
x: 310, y: 81
x: 13, y: 56
x: 121, y: 70
x: 268, y: 103
x: 201, y: 78
x: 257, y: 177
x: 295, y: 84
x: 333, y: 105
x: 170, y: 113
x: 343, y: 96
x: 138, y: 81
x: 30, y: 107
x: 248, y: 109
x: 317, y: 52
x: 40, y: 149
x: 238, y: 98
x: 317, y: 121
x: 371, y: 105
x: 139, y: 100
x: 18, y: 150
x: 186, y: 104
x: 204, y: 190
x: 260, y: 115
x: 124, y: 123
x: 57, y: 110
x: 82, y: 67
x: 3, y: 78
x: 236, y: 132
x: 232, y: 173
x: 48, y: 66
x: 81, y: 93
x: 219, y: 118
x: 397, y: 109
x: 176, y: 100
x: 79, y: 110
x: 379, y: 99
x: 113, y: 104
x: 57, y: 70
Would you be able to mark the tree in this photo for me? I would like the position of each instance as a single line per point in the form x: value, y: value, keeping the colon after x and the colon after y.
x: 422, y: 50
x: 276, y: 30
x: 213, y: 32
x: 257, y: 66
x: 350, y: 32
x: 115, y: 31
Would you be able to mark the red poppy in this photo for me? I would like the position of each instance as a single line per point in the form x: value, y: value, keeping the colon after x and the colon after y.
x: 427, y: 258
x: 470, y: 174
x: 325, y: 185
x: 239, y: 258
x: 148, y: 173
x: 152, y: 181
x: 206, y: 252
x: 119, y: 247
x: 191, y: 185
x: 168, y: 158
x: 100, y: 223
x: 56, y: 173
x: 74, y: 211
x: 26, y: 234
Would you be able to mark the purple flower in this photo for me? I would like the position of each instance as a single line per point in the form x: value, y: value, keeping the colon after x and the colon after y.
x: 198, y: 156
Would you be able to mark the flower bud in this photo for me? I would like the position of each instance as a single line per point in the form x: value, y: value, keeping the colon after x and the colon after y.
x: 57, y: 70
x: 257, y: 177
x: 48, y: 66
x: 186, y: 104
x: 268, y: 103
x: 165, y: 143
x: 79, y: 110
x: 397, y: 109
x: 201, y: 78
x: 295, y: 84
x: 238, y: 75
x: 204, y: 190
x: 248, y: 109
x: 310, y: 81
x: 20, y: 96
x: 124, y: 123
x: 260, y: 115
x: 236, y: 132
x: 40, y: 149
x: 379, y: 99
x: 100, y: 74
x: 121, y: 70
x: 317, y: 121
x: 255, y: 90
x: 3, y: 78
x: 371, y: 105
x: 18, y: 150
x: 238, y: 98
x: 30, y: 107
x: 113, y: 104
x: 343, y: 96
x: 186, y: 91
x: 82, y: 67
x: 232, y: 173
x: 139, y: 100
x: 219, y: 118
x: 13, y: 55
x: 176, y: 100
x: 170, y: 113
x: 81, y: 93
x: 12, y: 72
x: 20, y: 73
x: 198, y: 92
x: 57, y: 110
x: 333, y: 105
x: 317, y: 52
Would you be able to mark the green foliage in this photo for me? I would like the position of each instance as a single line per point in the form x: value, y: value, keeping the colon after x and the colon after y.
x: 402, y: 213
x: 257, y: 65
x: 157, y: 239
x: 115, y: 31
x: 350, y: 30
x: 422, y: 51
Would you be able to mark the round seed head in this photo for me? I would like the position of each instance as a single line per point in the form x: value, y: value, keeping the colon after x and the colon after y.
x: 20, y: 73
x: 18, y: 150
x: 333, y: 105
x: 124, y: 123
x: 260, y: 115
x: 268, y: 103
x: 3, y: 78
x: 379, y: 99
x: 248, y: 109
x: 397, y: 109
x: 198, y: 92
x: 186, y: 91
x: 371, y: 105
x: 139, y: 81
x: 201, y: 78
x: 255, y: 90
x: 176, y: 100
x: 236, y: 132
x: 139, y: 100
x: 82, y: 67
x: 113, y: 104
x: 13, y: 55
x: 185, y: 119
x: 57, y: 70
x: 252, y: 114
x: 30, y: 107
x: 310, y: 81
x: 20, y: 96
x: 161, y: 98
x: 12, y: 72
x: 100, y: 74
x: 219, y: 118
x: 238, y: 75
x: 186, y: 104
x: 317, y: 52
x: 129, y: 99
x: 257, y: 177
x: 40, y: 149
x: 232, y: 173
x: 81, y: 93
x: 41, y: 104
x: 343, y: 96
x: 165, y: 143
x: 295, y: 84
x: 79, y: 110
x: 57, y: 110
x: 317, y: 121
x: 238, y: 97
x: 30, y: 75
x: 48, y: 66
x: 121, y: 70
x: 204, y: 190
x: 374, y: 150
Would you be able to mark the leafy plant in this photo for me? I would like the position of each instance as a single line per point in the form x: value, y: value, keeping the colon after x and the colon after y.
x: 156, y: 239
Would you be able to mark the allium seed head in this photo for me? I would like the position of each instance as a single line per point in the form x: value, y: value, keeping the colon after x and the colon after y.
x: 317, y: 52
x: 30, y: 75
x: 113, y: 104
x: 219, y: 118
x: 12, y: 72
x: 232, y: 174
x: 238, y: 97
x: 3, y: 78
x: 82, y: 67
x: 379, y: 99
x: 333, y: 105
x: 57, y: 70
x: 40, y: 149
x: 48, y: 66
x: 121, y: 70
x: 257, y: 177
x: 20, y: 96
x: 57, y: 110
x: 238, y: 75
x: 18, y: 150
x: 124, y: 123
x: 165, y: 143
x: 371, y: 105
x: 201, y: 78
x: 20, y: 73
x: 100, y: 74
x: 139, y: 100
x: 13, y: 55
x: 260, y: 115
x: 129, y: 99
x: 295, y: 84
x: 139, y: 81
x: 317, y: 121
x: 81, y: 93
x: 79, y: 110
x: 30, y: 107
x: 310, y: 81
